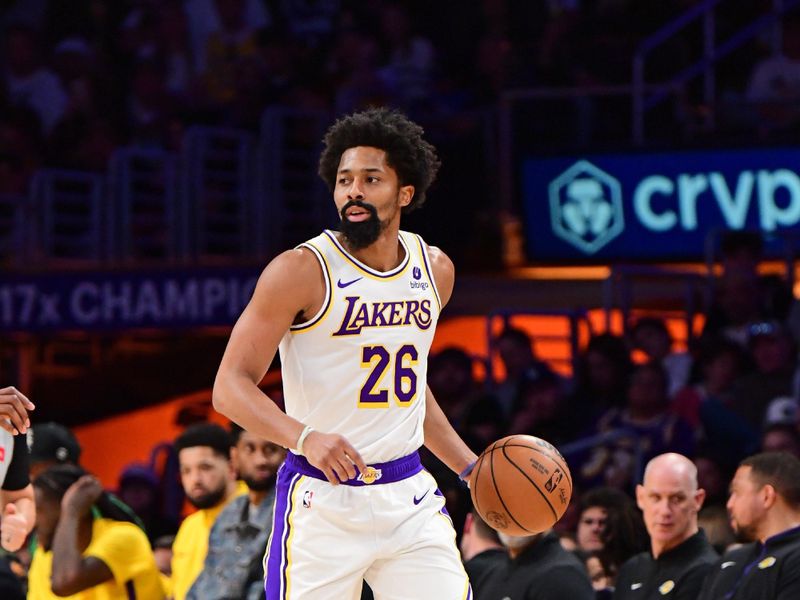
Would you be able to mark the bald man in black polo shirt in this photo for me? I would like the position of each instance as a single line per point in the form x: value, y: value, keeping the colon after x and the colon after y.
x: 680, y: 555
x: 764, y: 506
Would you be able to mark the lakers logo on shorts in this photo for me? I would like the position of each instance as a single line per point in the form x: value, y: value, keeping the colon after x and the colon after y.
x: 370, y: 475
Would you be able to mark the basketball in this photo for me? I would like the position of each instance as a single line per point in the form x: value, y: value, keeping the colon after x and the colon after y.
x: 521, y: 485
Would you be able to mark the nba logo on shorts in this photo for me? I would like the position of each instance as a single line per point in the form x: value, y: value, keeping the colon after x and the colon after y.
x: 554, y: 480
x: 417, y: 273
x: 307, y: 495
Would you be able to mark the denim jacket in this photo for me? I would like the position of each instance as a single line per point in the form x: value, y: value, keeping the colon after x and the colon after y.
x: 236, y: 545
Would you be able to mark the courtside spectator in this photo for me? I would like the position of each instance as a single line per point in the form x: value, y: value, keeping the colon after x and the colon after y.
x: 89, y: 547
x: 52, y: 444
x: 209, y: 481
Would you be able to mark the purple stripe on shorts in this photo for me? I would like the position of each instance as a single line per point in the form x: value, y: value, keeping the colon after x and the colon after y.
x: 439, y: 493
x: 394, y: 470
x: 275, y: 576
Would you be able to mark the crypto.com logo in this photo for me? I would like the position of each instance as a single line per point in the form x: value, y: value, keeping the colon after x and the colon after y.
x: 586, y: 207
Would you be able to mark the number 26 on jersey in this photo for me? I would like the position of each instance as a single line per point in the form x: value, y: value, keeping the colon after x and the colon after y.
x: 403, y: 383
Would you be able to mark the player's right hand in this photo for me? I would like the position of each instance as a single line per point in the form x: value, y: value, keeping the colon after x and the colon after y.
x: 14, y: 407
x: 332, y: 454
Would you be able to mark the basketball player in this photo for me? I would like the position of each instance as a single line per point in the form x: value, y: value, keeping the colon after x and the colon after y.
x: 16, y: 491
x: 353, y: 314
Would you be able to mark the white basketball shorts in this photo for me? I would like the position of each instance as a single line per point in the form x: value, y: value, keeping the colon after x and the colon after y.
x: 388, y: 527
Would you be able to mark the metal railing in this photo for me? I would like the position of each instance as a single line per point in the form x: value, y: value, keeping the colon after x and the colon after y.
x: 785, y: 244
x: 579, y: 327
x: 292, y: 202
x: 217, y: 191
x: 149, y: 221
x: 619, y: 292
x: 571, y: 449
x: 228, y: 195
x: 13, y: 232
x: 506, y: 127
x: 71, y: 213
x: 712, y: 53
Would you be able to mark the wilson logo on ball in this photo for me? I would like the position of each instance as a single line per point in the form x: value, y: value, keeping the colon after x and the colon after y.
x: 497, y: 520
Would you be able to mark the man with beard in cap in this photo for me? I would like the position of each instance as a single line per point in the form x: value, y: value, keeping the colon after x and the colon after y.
x: 238, y: 538
x: 764, y: 508
x: 209, y: 482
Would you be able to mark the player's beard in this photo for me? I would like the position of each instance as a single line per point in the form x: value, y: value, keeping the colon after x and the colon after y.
x: 208, y: 499
x: 261, y: 484
x: 360, y: 234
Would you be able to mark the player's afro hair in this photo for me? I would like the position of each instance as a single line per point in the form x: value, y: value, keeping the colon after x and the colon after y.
x: 413, y: 158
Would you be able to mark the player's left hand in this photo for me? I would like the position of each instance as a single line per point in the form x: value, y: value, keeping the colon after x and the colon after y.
x: 13, y: 528
x: 81, y: 495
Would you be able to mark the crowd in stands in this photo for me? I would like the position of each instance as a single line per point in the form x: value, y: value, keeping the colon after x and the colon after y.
x: 654, y: 418
x: 79, y: 78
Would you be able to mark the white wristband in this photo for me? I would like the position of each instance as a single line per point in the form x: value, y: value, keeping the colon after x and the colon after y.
x: 299, y: 447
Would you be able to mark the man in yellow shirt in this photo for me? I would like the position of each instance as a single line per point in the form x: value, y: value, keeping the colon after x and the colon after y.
x: 209, y: 482
x: 89, y: 548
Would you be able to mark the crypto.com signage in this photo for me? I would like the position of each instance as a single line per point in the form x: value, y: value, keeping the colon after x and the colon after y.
x: 654, y: 206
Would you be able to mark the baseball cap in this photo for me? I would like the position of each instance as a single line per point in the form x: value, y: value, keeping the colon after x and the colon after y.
x: 782, y: 410
x: 53, y: 441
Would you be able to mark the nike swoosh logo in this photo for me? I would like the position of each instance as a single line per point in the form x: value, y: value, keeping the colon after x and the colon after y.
x: 727, y: 564
x: 418, y: 500
x: 346, y: 283
x: 636, y: 586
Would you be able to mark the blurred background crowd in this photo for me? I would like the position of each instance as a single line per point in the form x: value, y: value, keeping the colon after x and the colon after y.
x: 732, y: 393
x: 81, y: 79
x: 85, y: 77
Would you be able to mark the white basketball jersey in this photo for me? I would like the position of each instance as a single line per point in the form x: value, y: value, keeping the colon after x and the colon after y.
x: 6, y: 453
x: 359, y: 366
